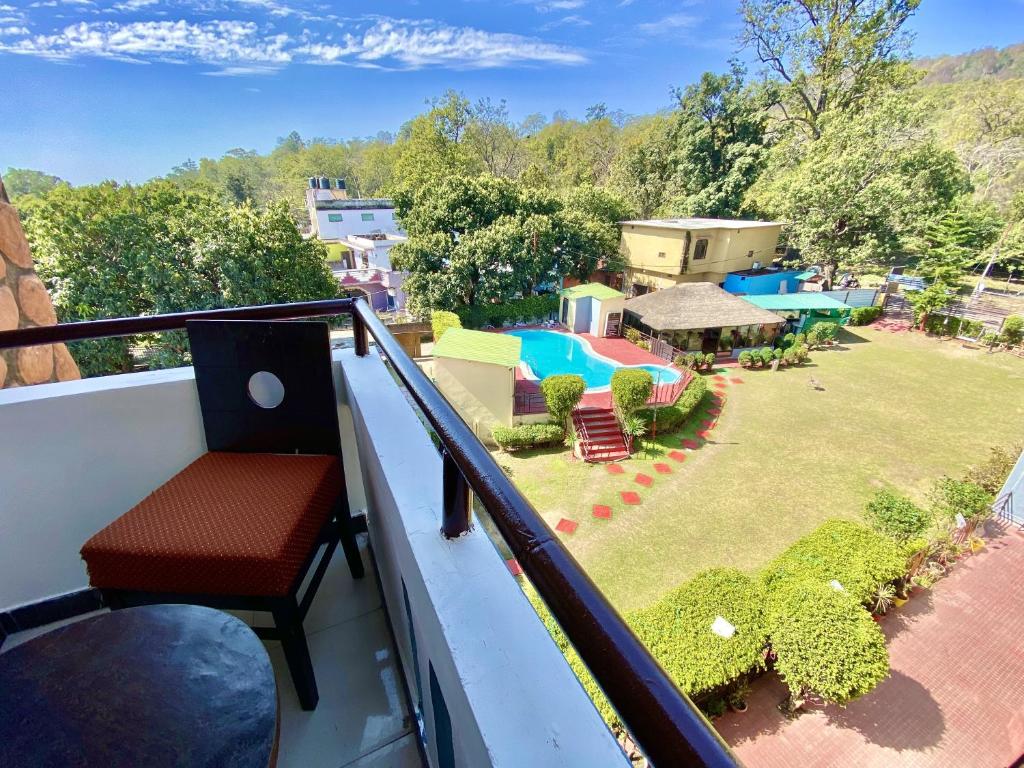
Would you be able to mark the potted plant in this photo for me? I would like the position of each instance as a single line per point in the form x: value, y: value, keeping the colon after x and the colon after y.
x: 738, y: 697
x: 709, y: 360
x: 883, y: 599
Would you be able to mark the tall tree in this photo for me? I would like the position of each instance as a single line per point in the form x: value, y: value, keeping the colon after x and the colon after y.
x: 827, y: 54
x: 24, y: 181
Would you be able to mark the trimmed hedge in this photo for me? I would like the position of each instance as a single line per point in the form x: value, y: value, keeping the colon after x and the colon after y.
x: 562, y: 393
x: 671, y: 418
x: 824, y: 642
x: 537, y: 307
x: 527, y: 436
x: 441, y: 321
x: 631, y: 388
x: 677, y: 630
x: 854, y: 555
x: 865, y: 315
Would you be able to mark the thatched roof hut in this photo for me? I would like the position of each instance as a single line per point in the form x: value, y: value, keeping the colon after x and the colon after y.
x: 694, y: 306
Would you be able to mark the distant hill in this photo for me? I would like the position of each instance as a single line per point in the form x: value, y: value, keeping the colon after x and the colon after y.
x: 1002, y: 64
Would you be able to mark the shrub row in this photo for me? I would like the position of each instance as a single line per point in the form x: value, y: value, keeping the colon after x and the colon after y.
x: 441, y: 321
x: 865, y: 315
x: 631, y: 388
x: 527, y: 436
x: 671, y: 418
x: 528, y: 308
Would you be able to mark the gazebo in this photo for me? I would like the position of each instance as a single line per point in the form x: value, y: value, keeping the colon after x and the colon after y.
x: 701, y: 317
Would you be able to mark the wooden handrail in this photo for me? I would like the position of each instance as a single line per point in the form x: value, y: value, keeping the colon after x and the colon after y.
x: 670, y: 730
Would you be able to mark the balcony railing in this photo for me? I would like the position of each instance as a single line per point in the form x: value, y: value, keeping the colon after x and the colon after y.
x: 669, y: 729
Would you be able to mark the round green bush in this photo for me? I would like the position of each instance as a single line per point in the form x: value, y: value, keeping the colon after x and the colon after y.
x: 745, y: 357
x: 441, y: 321
x: 562, y: 393
x: 896, y: 516
x: 677, y: 630
x: 631, y: 389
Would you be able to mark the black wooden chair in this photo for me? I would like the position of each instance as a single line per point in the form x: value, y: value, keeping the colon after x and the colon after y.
x: 241, y: 527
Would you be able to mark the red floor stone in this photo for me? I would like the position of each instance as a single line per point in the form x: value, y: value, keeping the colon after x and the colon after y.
x: 644, y: 480
x: 708, y: 424
x: 603, y: 512
x: 718, y: 378
x: 953, y: 698
x: 714, y: 411
x: 693, y: 445
x: 565, y: 525
x: 663, y: 469
x: 614, y: 469
x: 702, y: 434
x: 736, y: 380
x: 514, y: 567
x: 721, y: 385
x: 677, y: 455
x: 630, y: 497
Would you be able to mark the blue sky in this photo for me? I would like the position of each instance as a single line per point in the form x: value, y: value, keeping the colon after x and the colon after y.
x: 124, y: 89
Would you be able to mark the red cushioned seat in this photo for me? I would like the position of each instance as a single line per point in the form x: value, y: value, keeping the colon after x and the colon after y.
x: 229, y: 524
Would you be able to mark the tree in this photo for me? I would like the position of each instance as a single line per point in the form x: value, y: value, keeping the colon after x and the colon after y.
x: 827, y: 55
x: 931, y: 299
x: 24, y: 181
x: 824, y: 643
x: 434, y: 145
x: 864, y: 189
x: 951, y: 497
x: 561, y: 395
x: 643, y: 164
x: 441, y: 321
x: 719, y: 145
x: 115, y: 251
x: 956, y: 240
x: 494, y: 139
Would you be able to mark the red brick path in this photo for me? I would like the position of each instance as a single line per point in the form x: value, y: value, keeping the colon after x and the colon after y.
x: 955, y: 697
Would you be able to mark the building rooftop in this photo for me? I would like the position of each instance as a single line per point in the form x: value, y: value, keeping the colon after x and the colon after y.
x: 696, y: 305
x: 698, y: 223
x: 783, y: 301
x: 480, y: 347
x: 594, y: 290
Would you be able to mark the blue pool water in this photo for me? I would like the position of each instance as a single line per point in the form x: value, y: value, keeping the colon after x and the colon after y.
x: 549, y: 353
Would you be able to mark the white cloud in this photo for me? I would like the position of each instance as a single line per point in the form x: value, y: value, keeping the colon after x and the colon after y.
x: 134, y: 5
x: 572, y: 20
x: 675, y: 22
x: 228, y: 43
x: 12, y: 31
x: 415, y: 44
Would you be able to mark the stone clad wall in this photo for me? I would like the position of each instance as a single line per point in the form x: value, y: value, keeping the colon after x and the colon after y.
x: 24, y: 302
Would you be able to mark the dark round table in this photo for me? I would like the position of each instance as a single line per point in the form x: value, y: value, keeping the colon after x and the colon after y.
x: 159, y: 685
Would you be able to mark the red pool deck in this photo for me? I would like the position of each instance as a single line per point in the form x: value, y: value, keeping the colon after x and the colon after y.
x: 620, y: 350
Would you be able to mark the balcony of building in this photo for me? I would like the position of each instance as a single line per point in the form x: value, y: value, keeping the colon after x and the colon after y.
x: 436, y: 658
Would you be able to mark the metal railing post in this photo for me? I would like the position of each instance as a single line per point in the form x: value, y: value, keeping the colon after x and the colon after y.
x: 360, y: 335
x: 456, y: 501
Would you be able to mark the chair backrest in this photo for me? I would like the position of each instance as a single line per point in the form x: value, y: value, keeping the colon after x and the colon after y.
x: 265, y: 386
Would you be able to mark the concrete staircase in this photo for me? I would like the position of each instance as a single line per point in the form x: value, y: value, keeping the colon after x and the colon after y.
x: 600, y: 438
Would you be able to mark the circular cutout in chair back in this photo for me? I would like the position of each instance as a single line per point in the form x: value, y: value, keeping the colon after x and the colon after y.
x: 265, y: 389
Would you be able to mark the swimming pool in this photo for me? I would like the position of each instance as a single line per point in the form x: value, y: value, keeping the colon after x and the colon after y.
x: 547, y: 353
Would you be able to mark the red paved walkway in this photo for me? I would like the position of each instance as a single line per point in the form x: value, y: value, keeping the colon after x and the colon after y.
x: 955, y: 697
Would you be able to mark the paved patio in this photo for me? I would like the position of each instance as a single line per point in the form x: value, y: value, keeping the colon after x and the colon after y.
x: 955, y: 696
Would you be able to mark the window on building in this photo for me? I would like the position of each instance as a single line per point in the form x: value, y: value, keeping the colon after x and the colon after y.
x: 700, y: 250
x: 335, y: 217
x: 661, y: 254
x: 750, y: 254
x: 367, y: 216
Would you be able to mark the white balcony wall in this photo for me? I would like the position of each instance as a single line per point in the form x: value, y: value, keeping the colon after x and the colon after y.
x: 491, y: 686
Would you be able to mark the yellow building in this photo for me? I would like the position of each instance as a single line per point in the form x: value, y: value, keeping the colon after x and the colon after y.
x: 660, y: 253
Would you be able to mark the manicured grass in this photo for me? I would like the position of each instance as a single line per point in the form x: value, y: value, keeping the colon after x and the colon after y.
x: 898, y: 410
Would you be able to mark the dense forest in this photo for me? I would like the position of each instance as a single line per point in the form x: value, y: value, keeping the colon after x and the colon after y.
x: 869, y: 158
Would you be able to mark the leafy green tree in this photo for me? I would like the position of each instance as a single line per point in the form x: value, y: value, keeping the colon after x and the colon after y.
x: 643, y: 164
x: 957, y: 239
x: 950, y: 497
x: 434, y: 145
x: 825, y: 643
x: 896, y: 516
x: 562, y: 394
x: 827, y: 55
x: 864, y: 189
x: 931, y: 299
x: 114, y: 251
x: 24, y: 181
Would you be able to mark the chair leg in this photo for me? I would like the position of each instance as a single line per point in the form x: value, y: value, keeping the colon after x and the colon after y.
x: 296, y: 652
x: 348, y: 539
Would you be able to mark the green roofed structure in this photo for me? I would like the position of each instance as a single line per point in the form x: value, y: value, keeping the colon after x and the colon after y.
x: 476, y: 372
x: 592, y: 308
x: 803, y: 310
x: 479, y: 347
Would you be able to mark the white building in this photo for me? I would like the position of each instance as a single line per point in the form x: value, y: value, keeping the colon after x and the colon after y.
x: 362, y: 231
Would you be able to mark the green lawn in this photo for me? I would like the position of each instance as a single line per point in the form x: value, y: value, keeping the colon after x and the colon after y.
x: 896, y: 410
